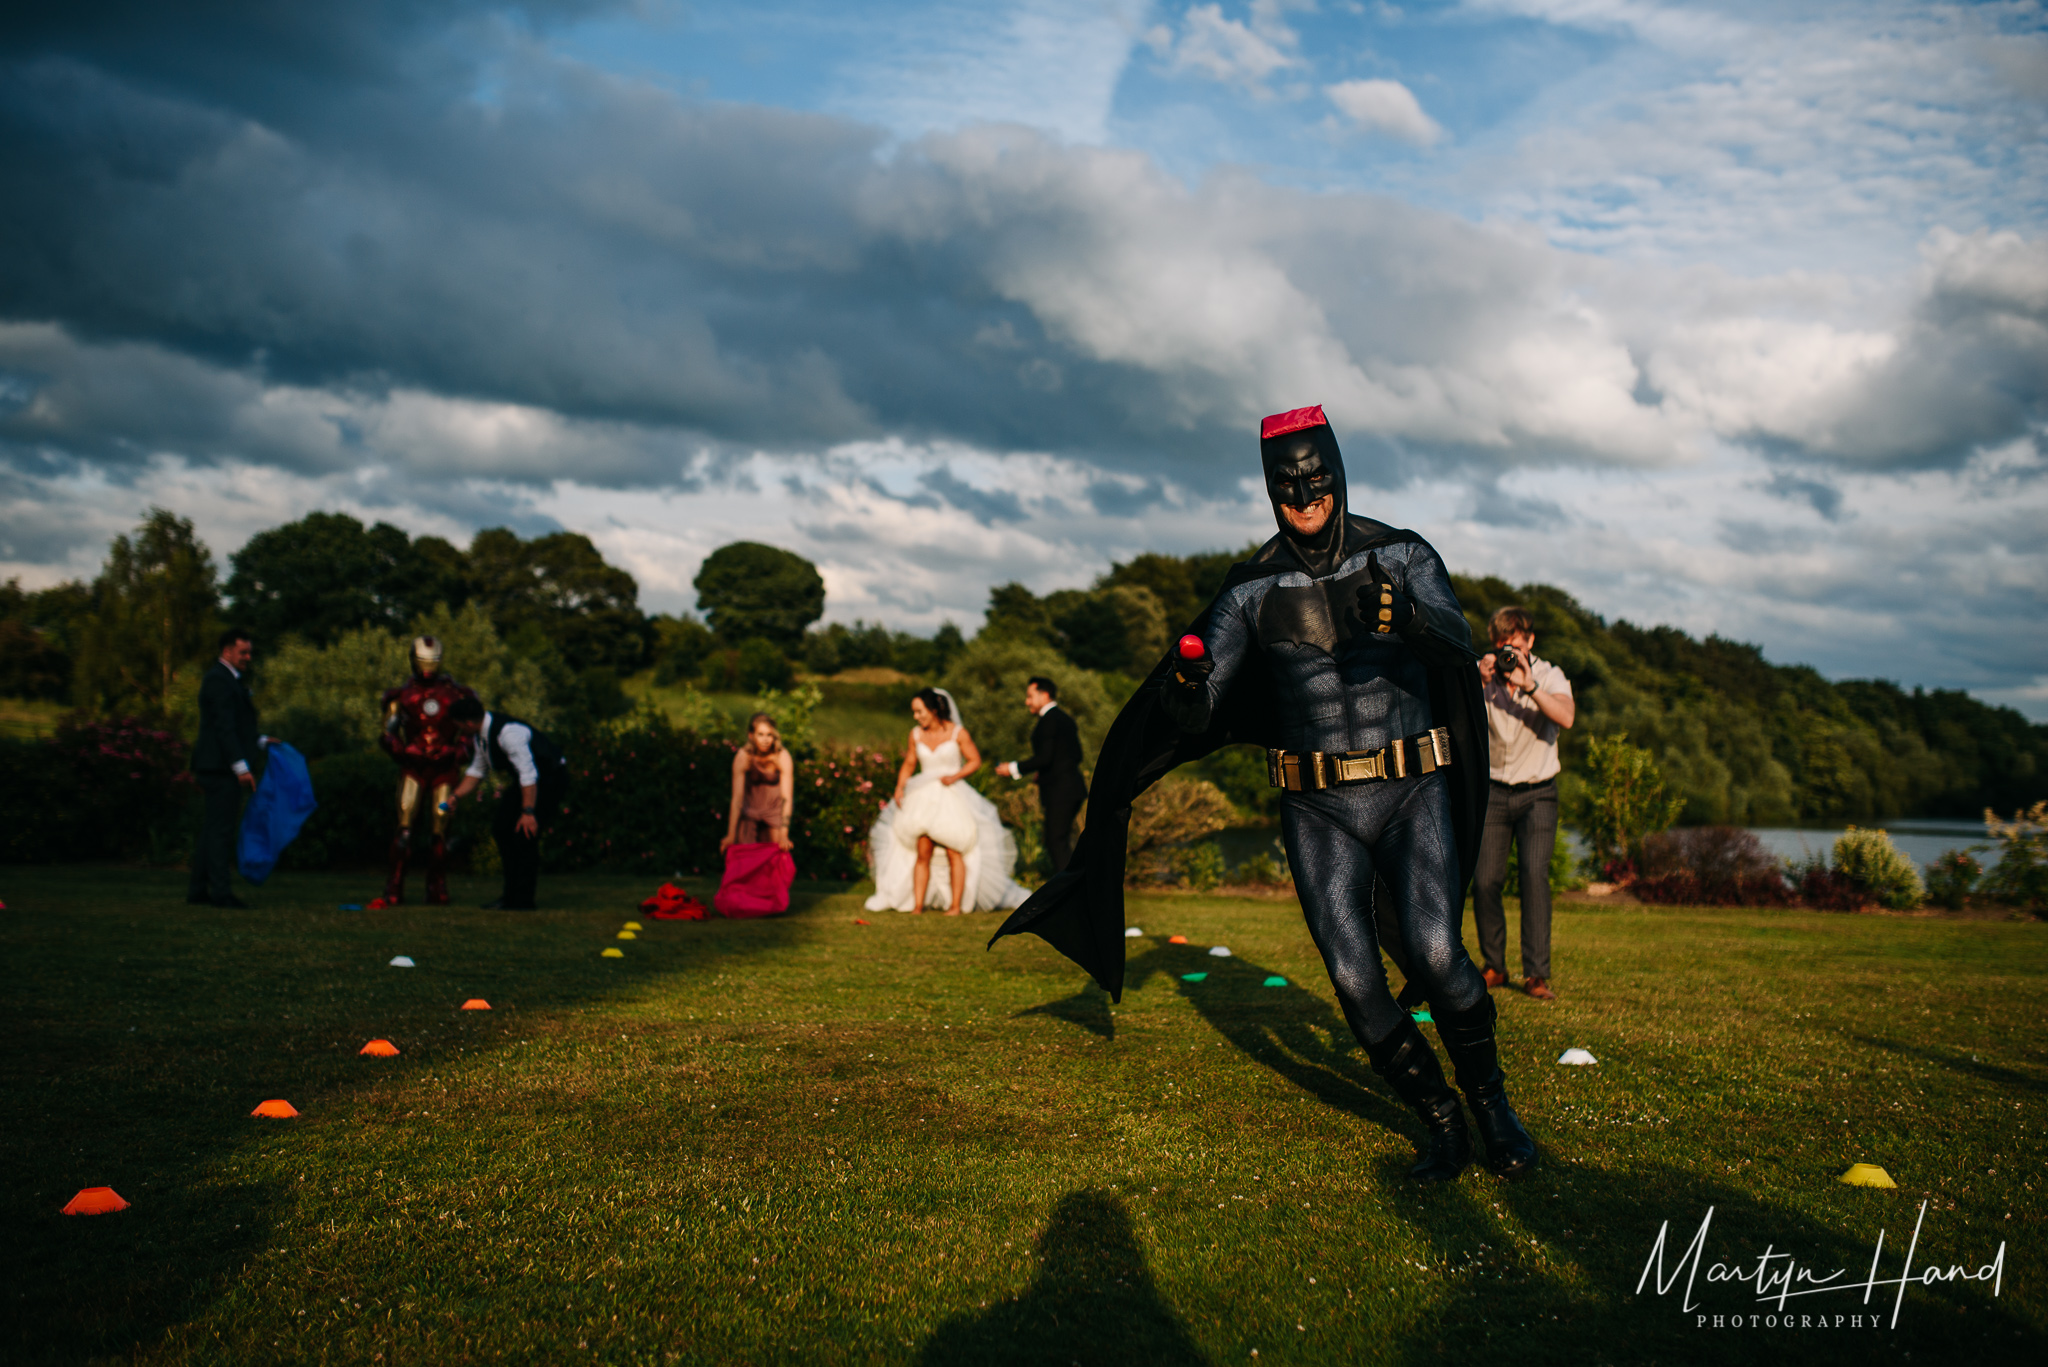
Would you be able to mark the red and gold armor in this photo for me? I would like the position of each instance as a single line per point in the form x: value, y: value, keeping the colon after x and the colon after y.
x: 431, y: 755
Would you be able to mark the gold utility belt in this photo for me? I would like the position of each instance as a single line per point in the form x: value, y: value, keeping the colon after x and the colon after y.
x: 1311, y: 770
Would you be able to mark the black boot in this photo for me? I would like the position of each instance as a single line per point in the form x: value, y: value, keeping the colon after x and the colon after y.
x: 1468, y: 1039
x: 1406, y: 1061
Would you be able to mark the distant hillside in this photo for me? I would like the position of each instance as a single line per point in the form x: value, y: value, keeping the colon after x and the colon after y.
x: 1745, y: 741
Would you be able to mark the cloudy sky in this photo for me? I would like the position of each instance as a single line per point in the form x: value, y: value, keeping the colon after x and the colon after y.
x: 1733, y: 316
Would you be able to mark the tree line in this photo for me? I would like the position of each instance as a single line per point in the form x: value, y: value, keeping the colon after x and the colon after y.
x: 1739, y: 740
x: 548, y: 622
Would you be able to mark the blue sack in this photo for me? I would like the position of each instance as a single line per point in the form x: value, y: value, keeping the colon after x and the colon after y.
x: 283, y: 801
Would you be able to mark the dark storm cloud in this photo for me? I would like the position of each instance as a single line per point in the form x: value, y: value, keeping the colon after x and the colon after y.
x: 371, y: 200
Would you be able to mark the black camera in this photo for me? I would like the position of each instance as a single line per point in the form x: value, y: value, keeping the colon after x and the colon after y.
x: 1506, y: 660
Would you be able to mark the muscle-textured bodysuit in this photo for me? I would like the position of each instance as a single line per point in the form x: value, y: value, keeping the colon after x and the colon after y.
x: 1343, y: 687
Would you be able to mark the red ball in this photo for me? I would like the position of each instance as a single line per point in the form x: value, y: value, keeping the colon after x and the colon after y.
x: 1191, y: 648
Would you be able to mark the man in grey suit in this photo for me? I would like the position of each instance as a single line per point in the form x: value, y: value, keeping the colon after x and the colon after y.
x: 227, y: 759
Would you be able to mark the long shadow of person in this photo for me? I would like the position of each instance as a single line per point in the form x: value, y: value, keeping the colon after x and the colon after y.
x: 1092, y: 1301
x: 1284, y: 1026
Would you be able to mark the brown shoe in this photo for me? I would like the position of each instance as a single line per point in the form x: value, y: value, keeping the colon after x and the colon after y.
x: 1539, y: 989
x: 1494, y: 978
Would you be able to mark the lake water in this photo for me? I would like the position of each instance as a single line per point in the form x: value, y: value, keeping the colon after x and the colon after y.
x: 1921, y: 839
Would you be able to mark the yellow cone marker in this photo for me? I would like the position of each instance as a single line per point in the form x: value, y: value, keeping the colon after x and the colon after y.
x: 627, y: 935
x: 613, y: 953
x: 1867, y: 1175
x: 634, y: 925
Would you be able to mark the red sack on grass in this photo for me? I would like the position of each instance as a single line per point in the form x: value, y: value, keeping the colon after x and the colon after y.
x: 671, y: 903
x: 757, y: 879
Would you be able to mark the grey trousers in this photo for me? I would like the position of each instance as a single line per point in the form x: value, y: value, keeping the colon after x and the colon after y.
x: 1529, y: 819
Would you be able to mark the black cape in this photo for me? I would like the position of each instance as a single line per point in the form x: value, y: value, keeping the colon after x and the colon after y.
x: 1080, y: 910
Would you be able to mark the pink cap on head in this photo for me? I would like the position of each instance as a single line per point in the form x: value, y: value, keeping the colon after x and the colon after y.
x: 1191, y: 647
x: 1293, y: 420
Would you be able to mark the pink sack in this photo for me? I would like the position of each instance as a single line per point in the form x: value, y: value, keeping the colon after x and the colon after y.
x: 756, y: 883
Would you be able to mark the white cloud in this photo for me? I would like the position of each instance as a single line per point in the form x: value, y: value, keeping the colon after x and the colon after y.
x: 1385, y: 107
x: 1234, y: 52
x: 1830, y: 137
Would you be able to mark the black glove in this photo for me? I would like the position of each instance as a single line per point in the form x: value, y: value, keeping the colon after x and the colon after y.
x: 1383, y: 608
x: 1192, y: 676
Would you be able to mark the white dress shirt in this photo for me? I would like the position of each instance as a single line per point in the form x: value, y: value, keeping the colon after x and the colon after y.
x: 516, y: 740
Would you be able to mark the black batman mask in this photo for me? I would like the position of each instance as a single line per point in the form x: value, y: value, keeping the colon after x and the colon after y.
x: 1302, y: 467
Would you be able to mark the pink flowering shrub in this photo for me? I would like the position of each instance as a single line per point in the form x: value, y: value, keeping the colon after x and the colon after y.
x: 651, y: 799
x: 115, y: 789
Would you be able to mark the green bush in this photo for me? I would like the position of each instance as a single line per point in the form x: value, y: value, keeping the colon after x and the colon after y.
x: 1870, y: 860
x: 1198, y: 866
x: 358, y: 814
x: 987, y: 679
x: 2021, y: 874
x: 646, y: 798
x: 1952, y: 877
x: 331, y: 693
x: 96, y: 790
x: 1623, y: 801
x: 1263, y: 869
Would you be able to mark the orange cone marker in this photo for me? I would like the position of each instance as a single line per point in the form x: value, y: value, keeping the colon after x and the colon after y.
x: 1176, y: 939
x: 95, y: 1201
x: 276, y: 1110
x: 379, y: 1048
x: 476, y: 1004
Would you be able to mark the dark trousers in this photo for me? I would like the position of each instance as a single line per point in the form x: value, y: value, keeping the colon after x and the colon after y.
x: 1528, y: 818
x: 1061, y: 806
x: 519, y: 854
x: 213, y: 852
x: 1338, y: 841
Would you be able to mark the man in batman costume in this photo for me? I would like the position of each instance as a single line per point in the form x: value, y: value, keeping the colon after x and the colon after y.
x: 1340, y: 648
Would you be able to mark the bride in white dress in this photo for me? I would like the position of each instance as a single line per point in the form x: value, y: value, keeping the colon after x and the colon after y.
x: 935, y: 807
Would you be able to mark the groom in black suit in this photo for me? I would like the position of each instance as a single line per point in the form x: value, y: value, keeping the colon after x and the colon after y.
x: 227, y: 759
x: 1056, y: 759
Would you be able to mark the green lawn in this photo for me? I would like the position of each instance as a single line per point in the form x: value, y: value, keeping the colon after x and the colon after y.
x: 808, y: 1140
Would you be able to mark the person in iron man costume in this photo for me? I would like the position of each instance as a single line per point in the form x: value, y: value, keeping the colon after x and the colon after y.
x: 431, y: 754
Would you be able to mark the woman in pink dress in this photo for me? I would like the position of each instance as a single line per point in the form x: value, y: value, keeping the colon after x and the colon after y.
x: 758, y: 867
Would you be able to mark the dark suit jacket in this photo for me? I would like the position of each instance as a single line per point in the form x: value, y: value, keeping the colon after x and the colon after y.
x: 1055, y: 756
x: 227, y: 724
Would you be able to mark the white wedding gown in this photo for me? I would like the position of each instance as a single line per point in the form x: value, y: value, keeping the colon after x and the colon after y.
x: 955, y: 816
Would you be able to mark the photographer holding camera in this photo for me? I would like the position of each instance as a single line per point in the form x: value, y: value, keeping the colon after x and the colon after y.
x: 1528, y: 701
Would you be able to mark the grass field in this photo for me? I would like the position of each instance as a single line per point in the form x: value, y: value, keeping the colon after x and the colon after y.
x: 809, y: 1140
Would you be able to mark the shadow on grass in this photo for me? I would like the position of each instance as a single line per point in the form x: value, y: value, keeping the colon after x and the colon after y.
x: 1093, y: 1301
x: 141, y: 1032
x: 1573, y: 1294
x: 1287, y: 1028
x: 1088, y: 1008
x: 1955, y: 1062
